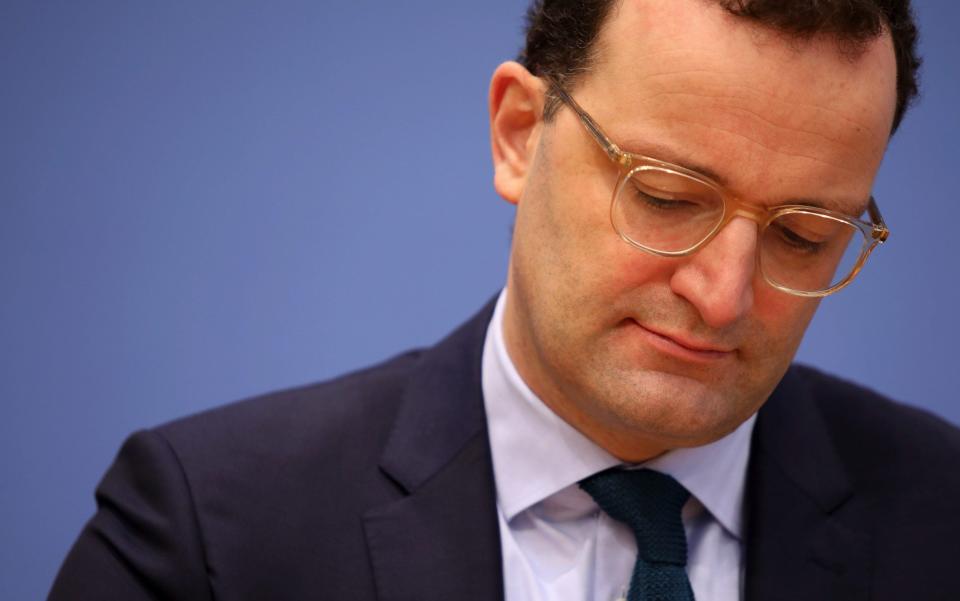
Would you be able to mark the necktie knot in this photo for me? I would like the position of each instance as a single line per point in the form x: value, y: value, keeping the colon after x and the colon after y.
x: 650, y: 504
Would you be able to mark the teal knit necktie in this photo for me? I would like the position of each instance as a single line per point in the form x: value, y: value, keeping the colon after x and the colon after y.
x: 650, y: 504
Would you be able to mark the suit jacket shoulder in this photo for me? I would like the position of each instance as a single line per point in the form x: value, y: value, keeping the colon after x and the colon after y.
x: 326, y: 491
x: 279, y: 444
x: 887, y: 445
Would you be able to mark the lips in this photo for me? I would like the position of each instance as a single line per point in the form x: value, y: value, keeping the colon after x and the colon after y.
x: 684, y: 347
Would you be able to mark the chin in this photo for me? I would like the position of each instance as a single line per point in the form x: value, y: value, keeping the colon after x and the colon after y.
x: 674, y: 411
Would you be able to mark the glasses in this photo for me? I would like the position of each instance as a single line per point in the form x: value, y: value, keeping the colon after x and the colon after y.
x: 670, y: 211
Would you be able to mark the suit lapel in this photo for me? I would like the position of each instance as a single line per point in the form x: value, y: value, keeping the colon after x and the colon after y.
x: 441, y: 540
x: 805, y: 535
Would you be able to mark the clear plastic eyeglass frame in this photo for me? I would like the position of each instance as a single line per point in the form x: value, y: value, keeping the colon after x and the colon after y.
x: 873, y: 234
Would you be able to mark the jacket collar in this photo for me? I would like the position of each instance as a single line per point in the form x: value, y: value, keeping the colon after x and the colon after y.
x: 440, y: 541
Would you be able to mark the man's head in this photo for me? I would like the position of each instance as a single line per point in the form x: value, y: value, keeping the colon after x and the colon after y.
x: 645, y: 353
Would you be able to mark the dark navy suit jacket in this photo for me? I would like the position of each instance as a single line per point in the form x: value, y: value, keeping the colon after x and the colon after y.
x: 379, y: 486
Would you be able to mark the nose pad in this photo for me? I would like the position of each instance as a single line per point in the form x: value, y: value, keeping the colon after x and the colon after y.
x: 718, y: 278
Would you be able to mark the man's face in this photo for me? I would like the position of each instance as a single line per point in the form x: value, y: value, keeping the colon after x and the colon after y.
x: 643, y: 353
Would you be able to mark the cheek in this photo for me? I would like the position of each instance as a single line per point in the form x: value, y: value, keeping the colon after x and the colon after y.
x: 576, y: 247
x: 583, y: 250
x: 784, y: 319
x: 631, y: 267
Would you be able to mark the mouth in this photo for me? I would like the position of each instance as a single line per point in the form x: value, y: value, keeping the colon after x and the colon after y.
x: 683, y: 347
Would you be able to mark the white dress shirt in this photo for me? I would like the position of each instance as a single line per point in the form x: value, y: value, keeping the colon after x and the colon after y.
x: 557, y: 544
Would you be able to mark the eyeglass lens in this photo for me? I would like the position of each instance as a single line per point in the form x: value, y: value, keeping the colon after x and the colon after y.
x: 669, y: 212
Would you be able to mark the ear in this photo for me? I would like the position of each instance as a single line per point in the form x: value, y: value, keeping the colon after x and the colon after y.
x: 516, y: 108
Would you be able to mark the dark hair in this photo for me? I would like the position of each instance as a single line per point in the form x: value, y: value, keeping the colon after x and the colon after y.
x: 561, y: 34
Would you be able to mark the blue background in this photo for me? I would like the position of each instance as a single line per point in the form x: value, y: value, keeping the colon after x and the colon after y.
x: 200, y: 201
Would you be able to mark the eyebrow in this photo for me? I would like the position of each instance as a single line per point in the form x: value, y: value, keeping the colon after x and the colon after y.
x: 858, y: 210
x: 662, y: 152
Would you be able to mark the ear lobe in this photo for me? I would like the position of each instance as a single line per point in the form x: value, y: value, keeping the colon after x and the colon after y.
x: 516, y: 107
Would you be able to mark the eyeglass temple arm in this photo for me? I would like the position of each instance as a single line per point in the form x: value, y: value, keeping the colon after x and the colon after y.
x: 612, y: 150
x: 880, y: 231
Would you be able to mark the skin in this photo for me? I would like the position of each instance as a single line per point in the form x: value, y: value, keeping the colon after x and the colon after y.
x: 644, y: 354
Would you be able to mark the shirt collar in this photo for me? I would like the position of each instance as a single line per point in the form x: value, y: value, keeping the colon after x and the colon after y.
x: 536, y: 454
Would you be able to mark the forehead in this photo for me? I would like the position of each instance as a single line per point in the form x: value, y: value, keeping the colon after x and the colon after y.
x: 753, y: 106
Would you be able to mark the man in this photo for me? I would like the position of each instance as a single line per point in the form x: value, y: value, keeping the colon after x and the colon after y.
x: 623, y: 421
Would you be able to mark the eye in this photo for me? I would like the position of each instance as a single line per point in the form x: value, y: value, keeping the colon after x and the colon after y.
x: 796, y: 241
x: 665, y: 204
x: 661, y: 193
x: 662, y: 200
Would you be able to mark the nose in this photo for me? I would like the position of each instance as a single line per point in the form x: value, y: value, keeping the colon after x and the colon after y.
x: 718, y: 278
